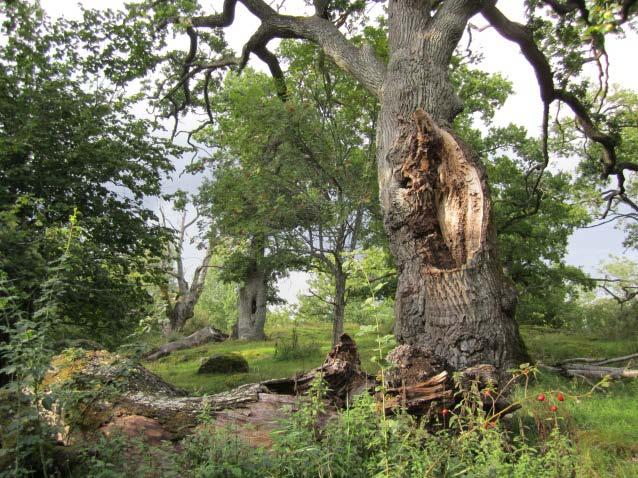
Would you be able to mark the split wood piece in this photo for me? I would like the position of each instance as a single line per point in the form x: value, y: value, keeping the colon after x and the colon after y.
x: 201, y: 337
x: 341, y: 371
x: 422, y: 383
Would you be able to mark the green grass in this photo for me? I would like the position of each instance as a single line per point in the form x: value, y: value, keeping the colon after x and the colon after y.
x: 604, y: 425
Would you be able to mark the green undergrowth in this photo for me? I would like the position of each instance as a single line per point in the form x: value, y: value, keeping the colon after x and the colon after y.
x: 603, y: 424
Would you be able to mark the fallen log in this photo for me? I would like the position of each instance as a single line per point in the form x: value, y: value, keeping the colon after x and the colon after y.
x: 122, y: 393
x: 201, y: 337
x: 592, y: 368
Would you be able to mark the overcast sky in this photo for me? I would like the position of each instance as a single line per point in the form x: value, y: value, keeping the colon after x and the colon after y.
x: 587, y: 248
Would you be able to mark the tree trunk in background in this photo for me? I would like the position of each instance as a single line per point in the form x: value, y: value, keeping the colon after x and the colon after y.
x: 452, y: 296
x: 252, y: 305
x: 338, y: 305
x: 183, y: 310
x: 4, y: 340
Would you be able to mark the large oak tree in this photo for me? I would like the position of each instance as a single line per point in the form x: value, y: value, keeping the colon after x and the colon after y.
x: 452, y: 295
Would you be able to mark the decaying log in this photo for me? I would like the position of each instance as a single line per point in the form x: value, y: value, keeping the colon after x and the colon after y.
x: 341, y: 371
x: 420, y: 382
x: 201, y: 337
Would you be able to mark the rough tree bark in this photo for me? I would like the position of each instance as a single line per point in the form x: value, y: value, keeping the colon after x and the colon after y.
x: 452, y: 295
x: 339, y: 303
x: 253, y: 296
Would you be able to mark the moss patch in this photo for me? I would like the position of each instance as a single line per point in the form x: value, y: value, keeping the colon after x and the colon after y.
x: 225, y: 363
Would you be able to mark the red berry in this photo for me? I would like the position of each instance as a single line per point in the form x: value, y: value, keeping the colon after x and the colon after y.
x: 487, y: 393
x: 541, y: 397
x: 445, y: 412
x: 560, y: 397
x: 553, y: 408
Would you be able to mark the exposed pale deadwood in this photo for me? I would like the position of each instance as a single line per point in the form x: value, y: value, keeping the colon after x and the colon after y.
x: 201, y: 337
x: 423, y: 383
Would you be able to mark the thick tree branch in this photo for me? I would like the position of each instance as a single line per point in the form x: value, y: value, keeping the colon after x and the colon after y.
x: 362, y: 62
x: 523, y: 37
x: 449, y: 22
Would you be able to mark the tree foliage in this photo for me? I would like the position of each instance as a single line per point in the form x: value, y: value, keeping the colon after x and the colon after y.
x: 69, y: 142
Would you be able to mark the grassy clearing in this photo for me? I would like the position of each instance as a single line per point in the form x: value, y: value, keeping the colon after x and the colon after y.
x: 181, y: 367
x: 604, y: 424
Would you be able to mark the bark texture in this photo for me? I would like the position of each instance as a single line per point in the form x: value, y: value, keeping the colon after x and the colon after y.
x: 201, y: 337
x: 252, y: 305
x: 339, y: 305
x: 452, y: 295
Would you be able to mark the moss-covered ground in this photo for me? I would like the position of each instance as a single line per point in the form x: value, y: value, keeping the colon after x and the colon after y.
x: 604, y: 424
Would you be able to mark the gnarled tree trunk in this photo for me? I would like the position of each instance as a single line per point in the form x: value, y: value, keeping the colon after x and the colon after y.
x: 338, y: 304
x: 253, y: 295
x: 452, y: 295
x: 182, y: 311
x: 180, y: 304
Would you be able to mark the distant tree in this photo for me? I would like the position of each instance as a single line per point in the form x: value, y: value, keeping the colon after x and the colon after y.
x: 249, y: 201
x: 308, y: 164
x: 371, y: 274
x: 179, y: 296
